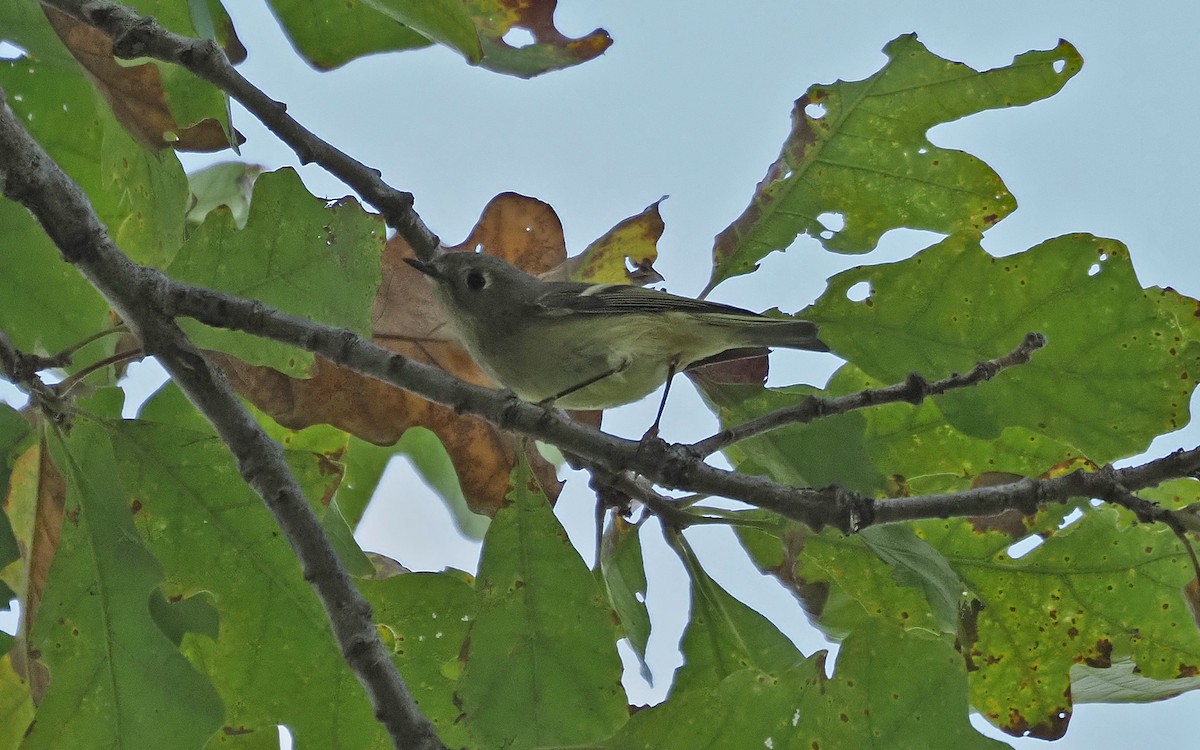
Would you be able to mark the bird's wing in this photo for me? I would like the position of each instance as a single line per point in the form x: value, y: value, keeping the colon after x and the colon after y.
x: 620, y: 299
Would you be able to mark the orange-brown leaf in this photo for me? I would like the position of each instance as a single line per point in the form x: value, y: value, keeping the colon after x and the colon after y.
x: 135, y: 92
x: 523, y: 231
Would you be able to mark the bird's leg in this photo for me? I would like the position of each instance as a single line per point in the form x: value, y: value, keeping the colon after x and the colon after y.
x: 653, y: 431
x: 622, y: 367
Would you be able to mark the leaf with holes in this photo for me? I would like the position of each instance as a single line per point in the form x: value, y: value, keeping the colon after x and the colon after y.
x: 1101, y: 590
x: 1118, y: 370
x: 859, y: 150
x: 549, y: 48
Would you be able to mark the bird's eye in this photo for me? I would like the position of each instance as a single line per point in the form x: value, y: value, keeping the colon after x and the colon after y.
x: 476, y: 280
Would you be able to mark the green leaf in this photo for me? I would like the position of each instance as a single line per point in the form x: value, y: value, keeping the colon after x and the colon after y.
x: 228, y: 184
x: 1121, y: 683
x: 818, y: 454
x: 1101, y: 590
x: 1118, y: 369
x: 624, y: 574
x: 841, y: 581
x: 430, y: 459
x: 922, y: 453
x: 138, y: 195
x: 725, y: 636
x: 892, y: 688
x: 168, y: 405
x: 151, y: 192
x: 542, y: 666
x: 16, y: 705
x: 9, y: 553
x: 297, y: 253
x: 893, y: 448
x: 425, y: 617
x: 191, y: 98
x: 879, y: 696
x: 23, y: 22
x: 341, y: 537
x: 117, y: 680
x: 275, y: 661
x: 331, y: 33
x: 15, y: 437
x: 866, y: 156
x: 747, y: 708
x: 444, y: 21
x: 47, y: 304
x: 195, y: 614
x: 915, y: 563
x: 550, y: 49
x: 365, y: 463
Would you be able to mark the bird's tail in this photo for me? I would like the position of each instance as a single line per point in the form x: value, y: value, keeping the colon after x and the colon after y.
x: 782, y: 332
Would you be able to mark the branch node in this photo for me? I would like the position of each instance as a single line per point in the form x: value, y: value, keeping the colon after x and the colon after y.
x: 134, y: 39
x: 917, y: 386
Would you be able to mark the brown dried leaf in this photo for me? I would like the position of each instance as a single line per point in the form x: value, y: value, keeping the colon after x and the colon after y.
x: 135, y: 92
x: 749, y: 366
x: 523, y: 231
x: 1191, y: 595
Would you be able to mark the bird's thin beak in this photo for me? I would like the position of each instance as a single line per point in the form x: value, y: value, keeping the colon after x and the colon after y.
x: 424, y: 268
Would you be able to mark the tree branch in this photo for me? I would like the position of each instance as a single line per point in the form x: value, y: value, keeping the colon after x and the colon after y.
x: 135, y: 35
x: 29, y: 176
x: 913, y: 390
x: 673, y: 466
x: 668, y: 465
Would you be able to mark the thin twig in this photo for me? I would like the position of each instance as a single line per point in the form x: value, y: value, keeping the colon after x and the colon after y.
x: 135, y: 36
x: 76, y: 378
x: 66, y: 354
x: 1111, y: 490
x: 913, y: 390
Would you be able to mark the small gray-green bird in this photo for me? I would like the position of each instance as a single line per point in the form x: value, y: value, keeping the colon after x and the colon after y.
x: 592, y: 346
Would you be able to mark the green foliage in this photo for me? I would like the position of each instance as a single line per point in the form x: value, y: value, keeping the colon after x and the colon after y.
x: 295, y: 253
x: 444, y: 21
x: 428, y: 618
x: 624, y: 574
x: 541, y: 668
x: 117, y: 680
x: 173, y: 613
x: 207, y: 527
x: 952, y: 305
x: 331, y: 33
